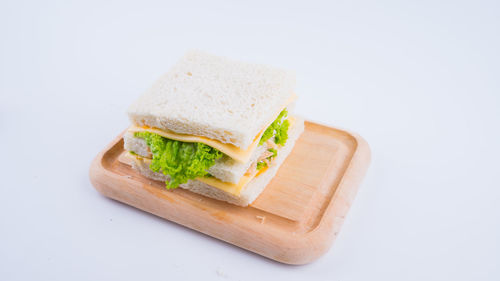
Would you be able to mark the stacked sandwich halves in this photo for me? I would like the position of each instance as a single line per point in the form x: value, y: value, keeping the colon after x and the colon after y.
x: 215, y: 126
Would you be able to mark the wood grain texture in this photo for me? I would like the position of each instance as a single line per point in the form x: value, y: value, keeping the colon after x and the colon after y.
x: 294, y: 220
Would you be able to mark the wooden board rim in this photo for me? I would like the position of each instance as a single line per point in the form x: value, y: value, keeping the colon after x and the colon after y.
x: 294, y: 249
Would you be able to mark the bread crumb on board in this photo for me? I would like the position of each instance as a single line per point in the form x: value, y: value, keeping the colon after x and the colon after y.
x: 261, y: 218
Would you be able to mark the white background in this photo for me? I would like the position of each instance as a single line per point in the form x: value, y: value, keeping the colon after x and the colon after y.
x: 419, y: 80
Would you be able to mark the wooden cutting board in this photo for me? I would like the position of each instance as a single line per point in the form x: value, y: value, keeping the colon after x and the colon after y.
x: 294, y: 220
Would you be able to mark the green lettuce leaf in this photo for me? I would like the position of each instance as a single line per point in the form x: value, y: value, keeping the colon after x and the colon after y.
x: 278, y: 129
x: 282, y: 133
x: 181, y: 161
x: 274, y: 151
x: 261, y: 165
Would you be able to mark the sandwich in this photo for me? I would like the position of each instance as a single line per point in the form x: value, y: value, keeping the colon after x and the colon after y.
x: 214, y: 126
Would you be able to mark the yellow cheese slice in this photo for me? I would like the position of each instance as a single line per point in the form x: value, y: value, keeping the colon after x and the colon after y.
x: 232, y: 188
x: 237, y: 153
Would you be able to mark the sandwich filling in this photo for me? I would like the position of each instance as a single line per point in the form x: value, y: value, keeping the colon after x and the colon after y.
x: 182, y: 161
x: 232, y: 188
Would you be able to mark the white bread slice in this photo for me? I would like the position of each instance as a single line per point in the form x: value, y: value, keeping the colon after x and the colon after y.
x: 214, y: 97
x: 225, y: 168
x: 252, y: 190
